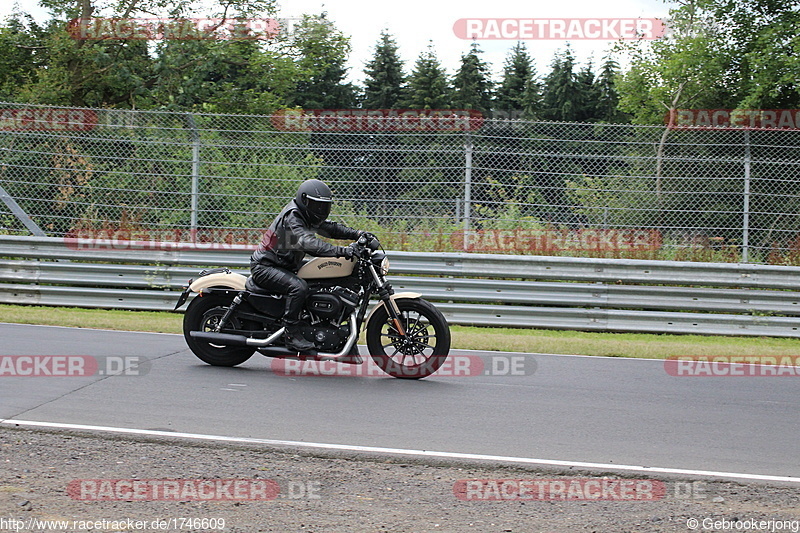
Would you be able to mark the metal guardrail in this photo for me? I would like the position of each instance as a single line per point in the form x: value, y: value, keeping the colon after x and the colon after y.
x: 478, y: 289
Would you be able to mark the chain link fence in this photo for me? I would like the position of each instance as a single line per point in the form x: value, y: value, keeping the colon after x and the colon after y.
x: 422, y: 183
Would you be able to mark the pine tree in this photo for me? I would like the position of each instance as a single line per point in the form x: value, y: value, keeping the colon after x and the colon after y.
x: 588, y: 95
x: 519, y: 91
x: 428, y: 87
x: 607, y: 94
x: 385, y: 77
x: 473, y: 88
x: 323, y: 53
x: 562, y: 96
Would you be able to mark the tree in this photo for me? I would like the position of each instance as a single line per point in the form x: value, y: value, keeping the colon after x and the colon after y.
x: 428, y: 86
x: 103, y: 73
x: 520, y: 91
x: 22, y: 47
x: 588, y: 95
x: 721, y: 54
x: 682, y: 70
x: 385, y: 77
x: 563, y: 97
x: 472, y: 85
x: 606, y: 107
x: 760, y: 42
x: 322, y: 51
x: 122, y: 72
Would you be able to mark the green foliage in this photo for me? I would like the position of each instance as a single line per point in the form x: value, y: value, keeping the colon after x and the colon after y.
x: 519, y: 90
x: 428, y: 86
x: 47, y: 65
x: 22, y: 47
x: 761, y: 44
x: 472, y: 86
x: 322, y: 52
x: 385, y: 78
x: 564, y: 96
x: 306, y: 68
x: 721, y: 54
x: 607, y: 103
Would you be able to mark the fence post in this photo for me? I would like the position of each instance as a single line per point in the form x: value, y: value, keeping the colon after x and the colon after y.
x: 195, y: 173
x: 467, y: 186
x: 746, y: 200
x: 20, y: 213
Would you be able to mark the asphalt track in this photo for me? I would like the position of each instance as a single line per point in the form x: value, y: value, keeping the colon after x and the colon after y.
x: 553, y: 410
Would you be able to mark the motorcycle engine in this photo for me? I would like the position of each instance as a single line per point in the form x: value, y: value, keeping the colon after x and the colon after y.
x: 331, y: 303
x: 329, y: 339
x: 329, y: 307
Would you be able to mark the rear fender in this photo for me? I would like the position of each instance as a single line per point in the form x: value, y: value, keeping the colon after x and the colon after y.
x: 230, y: 281
x: 224, y: 281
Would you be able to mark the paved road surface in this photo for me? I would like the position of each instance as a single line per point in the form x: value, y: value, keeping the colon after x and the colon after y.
x: 586, y: 409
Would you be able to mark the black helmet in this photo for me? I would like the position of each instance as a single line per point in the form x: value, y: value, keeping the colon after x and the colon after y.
x: 314, y: 200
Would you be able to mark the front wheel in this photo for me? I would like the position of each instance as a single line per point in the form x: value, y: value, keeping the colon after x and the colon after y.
x: 421, y: 351
x: 203, y: 314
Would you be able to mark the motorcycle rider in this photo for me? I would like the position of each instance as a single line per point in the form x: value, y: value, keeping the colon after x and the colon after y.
x: 290, y: 237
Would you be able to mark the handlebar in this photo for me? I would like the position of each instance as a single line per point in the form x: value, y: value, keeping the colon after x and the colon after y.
x: 369, y: 241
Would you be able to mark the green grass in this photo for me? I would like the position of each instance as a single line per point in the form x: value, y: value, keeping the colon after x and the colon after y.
x: 618, y: 344
x: 73, y: 317
x: 500, y: 339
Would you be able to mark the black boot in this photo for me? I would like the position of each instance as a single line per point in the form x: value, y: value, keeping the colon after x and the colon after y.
x: 296, y: 342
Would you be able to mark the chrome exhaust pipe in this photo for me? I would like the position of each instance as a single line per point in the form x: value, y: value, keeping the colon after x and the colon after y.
x: 226, y: 339
x: 278, y: 351
x: 222, y: 339
x: 351, y: 340
x: 261, y: 343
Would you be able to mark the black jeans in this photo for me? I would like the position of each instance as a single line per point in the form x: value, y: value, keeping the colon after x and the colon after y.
x: 281, y: 281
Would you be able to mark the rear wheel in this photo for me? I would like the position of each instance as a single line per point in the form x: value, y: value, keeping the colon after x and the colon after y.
x: 204, y: 314
x: 417, y: 354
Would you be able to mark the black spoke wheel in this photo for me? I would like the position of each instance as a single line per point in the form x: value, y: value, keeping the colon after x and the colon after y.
x: 204, y: 314
x: 417, y: 354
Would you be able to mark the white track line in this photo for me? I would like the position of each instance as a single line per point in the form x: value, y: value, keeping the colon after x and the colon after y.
x: 400, y: 451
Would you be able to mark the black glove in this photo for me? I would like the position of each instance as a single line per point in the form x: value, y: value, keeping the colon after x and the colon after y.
x: 351, y: 251
x: 371, y: 240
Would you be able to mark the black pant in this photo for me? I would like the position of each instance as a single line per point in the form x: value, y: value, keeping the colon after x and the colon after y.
x: 281, y: 281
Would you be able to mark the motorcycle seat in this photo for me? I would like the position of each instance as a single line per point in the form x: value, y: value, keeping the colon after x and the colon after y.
x: 252, y: 287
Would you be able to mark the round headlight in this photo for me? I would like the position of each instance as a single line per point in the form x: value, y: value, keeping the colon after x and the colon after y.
x: 385, y: 266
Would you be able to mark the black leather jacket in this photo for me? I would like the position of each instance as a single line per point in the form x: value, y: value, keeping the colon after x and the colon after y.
x: 290, y: 237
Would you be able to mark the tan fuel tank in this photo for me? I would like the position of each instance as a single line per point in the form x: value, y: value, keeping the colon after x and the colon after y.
x: 326, y: 267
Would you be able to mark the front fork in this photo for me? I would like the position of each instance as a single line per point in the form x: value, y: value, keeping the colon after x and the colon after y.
x: 385, y: 292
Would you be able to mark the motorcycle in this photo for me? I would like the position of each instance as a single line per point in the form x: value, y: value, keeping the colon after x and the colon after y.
x: 231, y: 317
